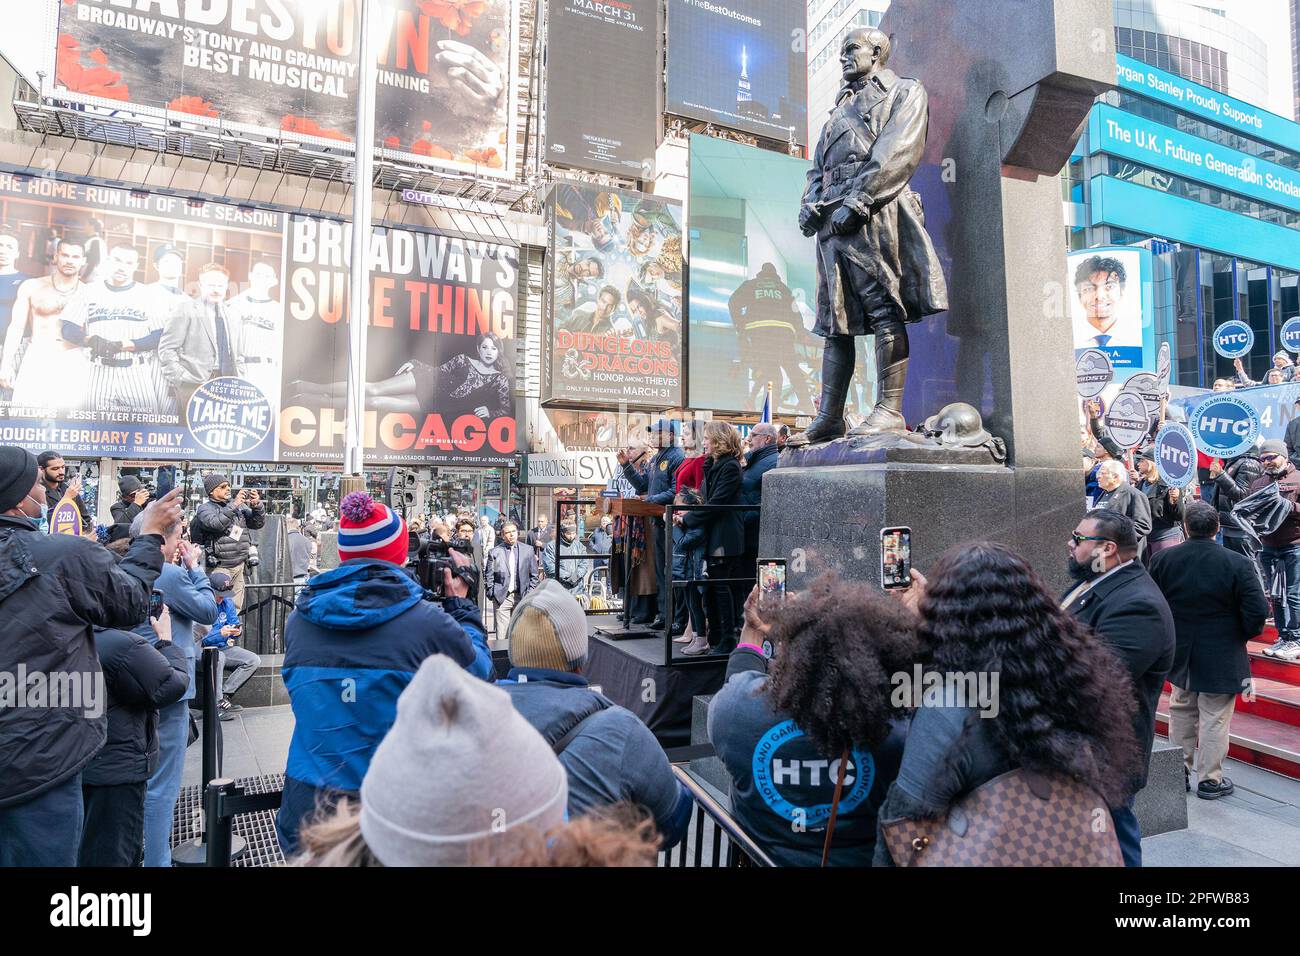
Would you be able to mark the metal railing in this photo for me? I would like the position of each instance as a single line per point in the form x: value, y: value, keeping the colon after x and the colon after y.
x: 713, y: 837
x: 593, y: 575
x: 266, y: 608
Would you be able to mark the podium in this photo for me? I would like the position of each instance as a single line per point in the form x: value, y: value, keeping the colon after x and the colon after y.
x: 634, y: 508
x: 631, y: 508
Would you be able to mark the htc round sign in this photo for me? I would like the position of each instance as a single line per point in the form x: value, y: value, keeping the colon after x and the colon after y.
x: 1225, y: 426
x: 1291, y: 335
x: 1176, y: 455
x: 1233, y: 339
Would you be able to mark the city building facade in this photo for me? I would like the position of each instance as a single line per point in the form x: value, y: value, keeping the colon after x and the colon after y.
x: 1178, y: 161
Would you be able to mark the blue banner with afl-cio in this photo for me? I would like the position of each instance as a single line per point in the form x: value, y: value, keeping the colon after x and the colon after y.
x: 1273, y: 407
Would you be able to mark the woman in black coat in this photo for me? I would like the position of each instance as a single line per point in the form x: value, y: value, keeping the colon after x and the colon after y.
x: 139, y: 676
x: 725, y: 546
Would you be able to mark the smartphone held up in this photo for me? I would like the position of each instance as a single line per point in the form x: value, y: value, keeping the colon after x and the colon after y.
x: 895, y: 558
x: 771, y: 581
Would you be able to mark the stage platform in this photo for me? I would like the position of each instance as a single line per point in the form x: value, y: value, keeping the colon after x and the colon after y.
x: 631, y: 672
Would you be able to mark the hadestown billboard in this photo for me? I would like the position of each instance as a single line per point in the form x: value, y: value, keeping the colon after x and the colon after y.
x: 446, y: 70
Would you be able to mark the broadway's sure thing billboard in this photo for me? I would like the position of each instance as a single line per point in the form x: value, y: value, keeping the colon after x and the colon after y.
x: 439, y: 350
x: 139, y: 326
x: 109, y: 346
x: 742, y: 64
x: 1111, y: 307
x: 445, y: 80
x: 615, y: 302
x: 753, y: 284
x: 602, y: 62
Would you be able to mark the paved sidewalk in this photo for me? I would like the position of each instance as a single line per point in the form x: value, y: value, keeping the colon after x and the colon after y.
x: 256, y: 742
x: 1257, y: 825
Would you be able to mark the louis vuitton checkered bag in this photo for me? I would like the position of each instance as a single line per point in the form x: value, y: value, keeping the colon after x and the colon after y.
x: 1020, y: 818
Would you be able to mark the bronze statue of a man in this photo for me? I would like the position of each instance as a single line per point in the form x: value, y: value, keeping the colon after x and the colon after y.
x: 876, y: 267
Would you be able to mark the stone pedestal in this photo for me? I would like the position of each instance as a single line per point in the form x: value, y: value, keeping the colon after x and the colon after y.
x: 829, y: 518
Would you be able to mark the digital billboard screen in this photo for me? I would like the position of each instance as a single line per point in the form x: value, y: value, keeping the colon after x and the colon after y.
x: 602, y: 63
x: 615, y: 297
x: 742, y: 64
x: 753, y: 284
x: 445, y: 74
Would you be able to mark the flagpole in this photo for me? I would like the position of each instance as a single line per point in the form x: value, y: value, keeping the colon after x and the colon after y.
x: 362, y: 196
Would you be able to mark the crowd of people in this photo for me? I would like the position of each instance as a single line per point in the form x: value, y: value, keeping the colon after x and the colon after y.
x: 410, y: 747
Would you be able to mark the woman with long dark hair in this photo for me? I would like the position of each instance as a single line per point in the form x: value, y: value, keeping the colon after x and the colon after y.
x: 725, y: 545
x: 1062, y: 703
x: 784, y: 728
x: 477, y: 384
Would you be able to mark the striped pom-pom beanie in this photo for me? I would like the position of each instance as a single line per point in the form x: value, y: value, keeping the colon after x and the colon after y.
x: 368, y: 529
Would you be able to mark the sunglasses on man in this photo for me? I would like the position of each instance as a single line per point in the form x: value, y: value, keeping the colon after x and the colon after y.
x: 1080, y: 538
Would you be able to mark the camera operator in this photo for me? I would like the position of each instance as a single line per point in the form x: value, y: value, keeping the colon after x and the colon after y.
x: 221, y: 527
x: 134, y: 496
x: 57, y: 588
x: 355, y: 640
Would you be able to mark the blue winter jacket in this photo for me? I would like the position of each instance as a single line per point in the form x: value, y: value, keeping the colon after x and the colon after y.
x: 227, y: 616
x: 613, y: 757
x: 356, y: 638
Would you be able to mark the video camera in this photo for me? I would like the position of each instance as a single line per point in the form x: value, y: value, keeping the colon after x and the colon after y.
x: 432, y: 555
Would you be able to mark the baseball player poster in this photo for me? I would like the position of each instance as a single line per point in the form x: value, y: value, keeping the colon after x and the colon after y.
x: 446, y: 71
x: 136, y: 324
x: 615, y: 298
x: 439, y: 350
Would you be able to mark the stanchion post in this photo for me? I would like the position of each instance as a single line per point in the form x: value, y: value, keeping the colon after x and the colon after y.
x: 218, y: 827
x: 211, y: 675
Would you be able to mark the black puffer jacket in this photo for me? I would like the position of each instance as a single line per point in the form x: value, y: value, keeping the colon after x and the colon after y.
x: 140, y: 677
x: 1230, y: 487
x: 211, y: 530
x: 54, y: 589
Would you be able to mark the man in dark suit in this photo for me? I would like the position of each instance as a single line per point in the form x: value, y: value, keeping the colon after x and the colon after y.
x: 511, y: 573
x: 1117, y: 598
x: 1218, y: 605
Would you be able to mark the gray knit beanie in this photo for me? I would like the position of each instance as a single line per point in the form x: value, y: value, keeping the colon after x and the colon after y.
x: 548, y: 629
x: 213, y: 481
x: 459, y: 767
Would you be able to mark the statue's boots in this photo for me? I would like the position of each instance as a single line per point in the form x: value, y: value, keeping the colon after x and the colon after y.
x: 838, y: 359
x: 891, y: 366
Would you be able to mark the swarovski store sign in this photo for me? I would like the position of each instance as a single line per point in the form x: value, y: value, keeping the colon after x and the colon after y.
x: 569, y: 468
